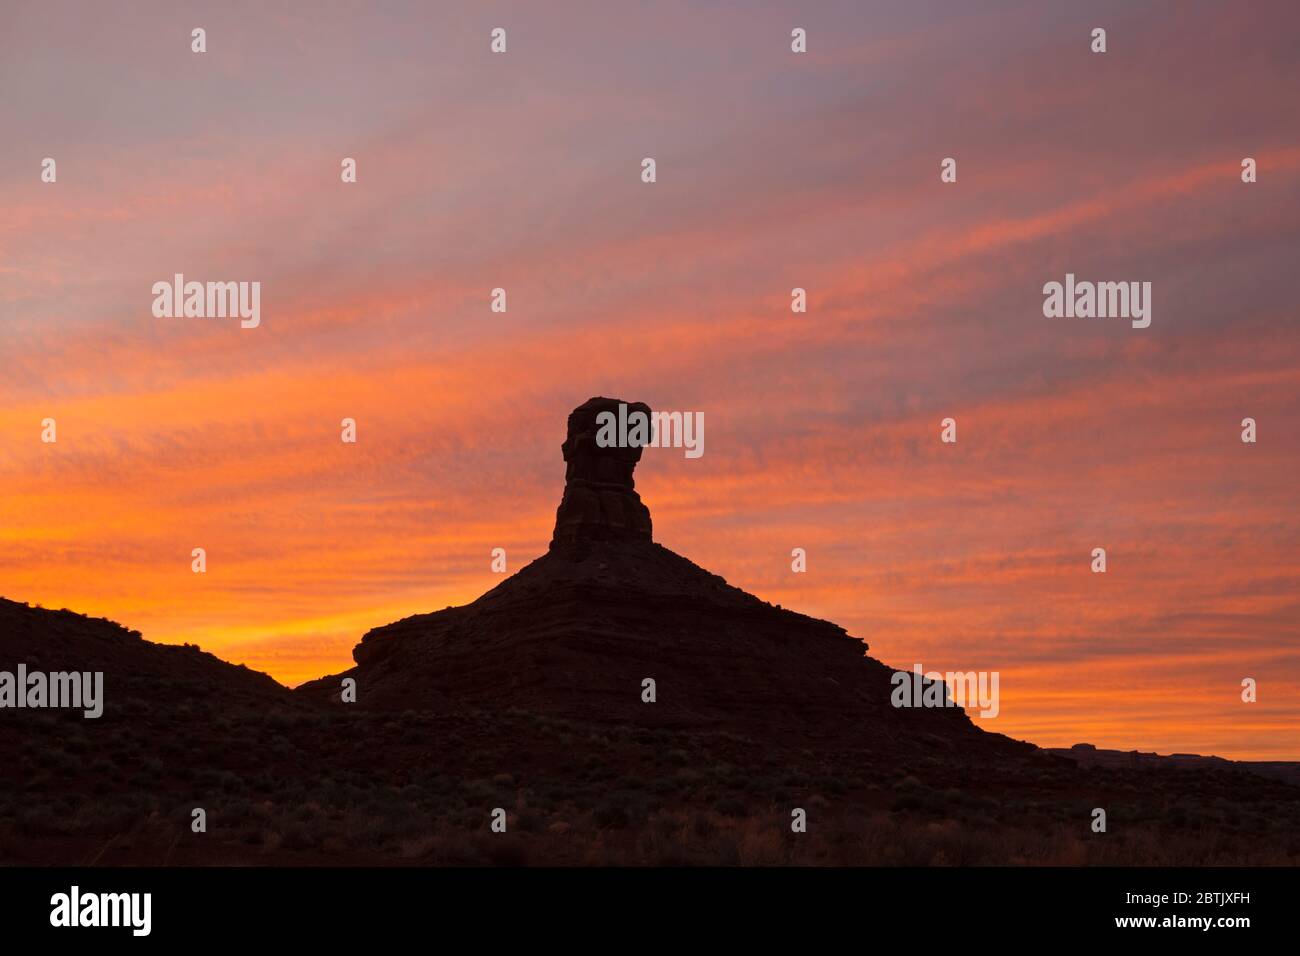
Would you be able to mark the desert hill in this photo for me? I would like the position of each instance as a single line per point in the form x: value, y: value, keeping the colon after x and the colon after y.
x: 162, y: 674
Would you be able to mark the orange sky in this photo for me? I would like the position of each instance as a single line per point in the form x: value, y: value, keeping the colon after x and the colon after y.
x: 820, y: 171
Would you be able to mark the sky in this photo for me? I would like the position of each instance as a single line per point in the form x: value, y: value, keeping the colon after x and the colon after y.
x: 775, y: 170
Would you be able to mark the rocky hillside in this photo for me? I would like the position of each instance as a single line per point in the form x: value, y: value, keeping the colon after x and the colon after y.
x: 161, y: 675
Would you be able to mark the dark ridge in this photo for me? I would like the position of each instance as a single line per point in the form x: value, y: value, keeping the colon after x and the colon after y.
x: 162, y: 674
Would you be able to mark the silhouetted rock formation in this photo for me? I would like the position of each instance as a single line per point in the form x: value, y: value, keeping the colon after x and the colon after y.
x: 577, y: 631
x: 599, y: 502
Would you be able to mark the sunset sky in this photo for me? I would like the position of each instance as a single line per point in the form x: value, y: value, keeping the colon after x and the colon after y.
x: 775, y: 170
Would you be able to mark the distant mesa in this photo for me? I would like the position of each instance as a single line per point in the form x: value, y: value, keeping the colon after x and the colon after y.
x: 1088, y: 755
